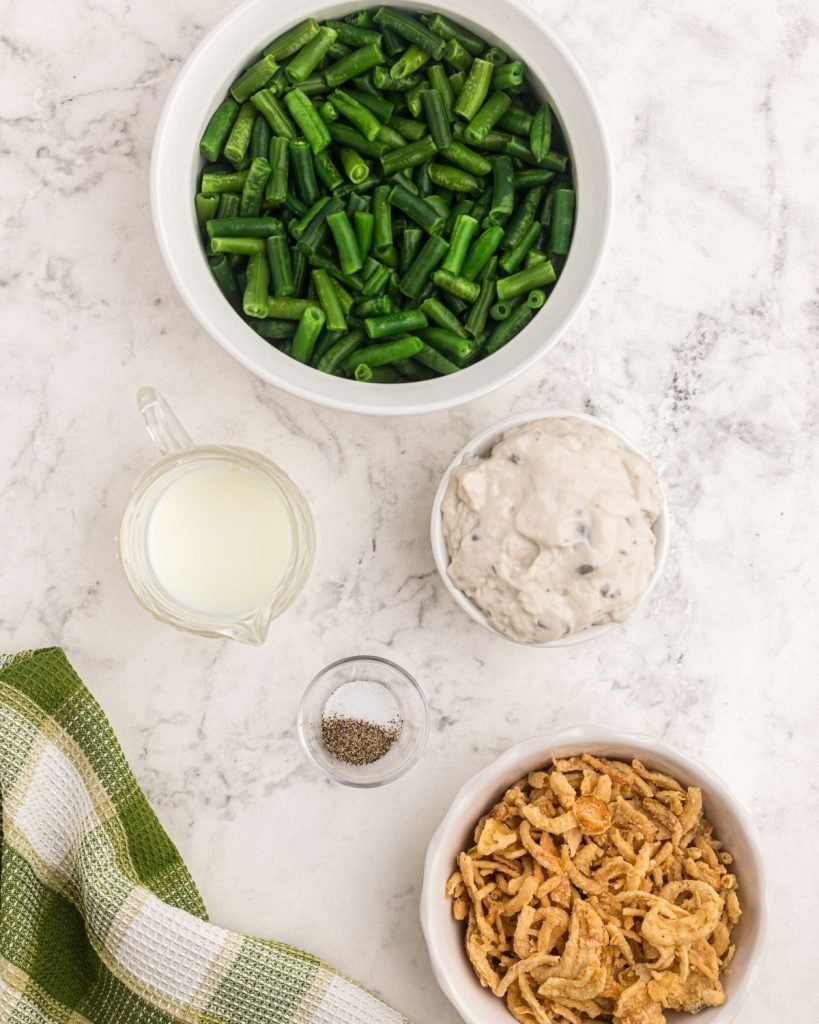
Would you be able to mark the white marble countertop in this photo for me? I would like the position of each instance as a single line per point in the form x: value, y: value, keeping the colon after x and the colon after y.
x: 699, y: 341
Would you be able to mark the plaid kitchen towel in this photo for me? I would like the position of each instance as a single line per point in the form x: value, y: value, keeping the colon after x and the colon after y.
x: 99, y: 919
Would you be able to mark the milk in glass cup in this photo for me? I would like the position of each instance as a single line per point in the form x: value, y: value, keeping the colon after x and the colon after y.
x: 214, y: 540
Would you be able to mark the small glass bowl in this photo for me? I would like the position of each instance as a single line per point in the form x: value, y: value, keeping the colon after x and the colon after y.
x: 412, y: 708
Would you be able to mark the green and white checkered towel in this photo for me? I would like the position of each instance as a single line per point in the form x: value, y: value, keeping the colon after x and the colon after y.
x: 99, y: 919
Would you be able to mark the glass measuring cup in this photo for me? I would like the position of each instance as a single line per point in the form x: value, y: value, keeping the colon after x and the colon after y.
x: 180, y: 457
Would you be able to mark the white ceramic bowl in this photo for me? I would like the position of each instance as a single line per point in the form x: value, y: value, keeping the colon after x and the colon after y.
x: 175, y: 165
x: 445, y: 936
x: 482, y: 445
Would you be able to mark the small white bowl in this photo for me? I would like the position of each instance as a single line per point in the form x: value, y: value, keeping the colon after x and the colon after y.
x: 445, y: 936
x: 175, y: 164
x: 482, y: 445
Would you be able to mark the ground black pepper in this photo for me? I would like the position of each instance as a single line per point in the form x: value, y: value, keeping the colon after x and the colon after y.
x: 357, y: 742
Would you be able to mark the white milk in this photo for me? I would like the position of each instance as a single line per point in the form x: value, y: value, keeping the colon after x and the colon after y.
x: 219, y: 539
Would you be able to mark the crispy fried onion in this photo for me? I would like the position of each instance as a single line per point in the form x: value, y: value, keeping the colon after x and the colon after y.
x: 596, y: 891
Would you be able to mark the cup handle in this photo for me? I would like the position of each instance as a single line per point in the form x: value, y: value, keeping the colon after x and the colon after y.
x: 165, y: 430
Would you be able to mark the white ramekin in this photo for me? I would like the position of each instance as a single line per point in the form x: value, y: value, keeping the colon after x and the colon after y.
x: 445, y: 936
x: 482, y: 445
x: 175, y: 166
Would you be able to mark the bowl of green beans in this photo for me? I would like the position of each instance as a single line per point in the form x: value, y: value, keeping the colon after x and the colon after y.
x: 388, y: 210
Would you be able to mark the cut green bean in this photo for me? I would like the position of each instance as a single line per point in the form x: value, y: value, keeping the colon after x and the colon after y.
x: 272, y: 110
x: 439, y: 314
x: 482, y: 249
x: 377, y: 374
x: 327, y: 172
x: 344, y: 237
x: 437, y: 118
x: 518, y: 149
x: 363, y: 226
x: 382, y: 213
x: 333, y: 358
x: 467, y: 159
x: 229, y: 203
x: 353, y: 35
x: 486, y: 118
x: 447, y: 29
x: 307, y: 118
x: 475, y: 89
x: 465, y: 227
x: 438, y: 80
x: 357, y: 114
x: 522, y: 218
x: 532, y: 177
x: 408, y: 156
x: 408, y: 127
x: 503, y: 190
x: 328, y: 299
x: 238, y: 141
x: 536, y: 298
x: 525, y: 280
x: 390, y: 137
x: 509, y: 76
x: 355, y: 166
x: 512, y: 259
x: 345, y: 299
x: 496, y: 56
x: 378, y: 305
x: 458, y: 286
x: 226, y: 278
x: 241, y: 246
x: 303, y: 171
x: 218, y: 129
x: 456, y: 347
x: 288, y: 308
x: 507, y: 329
x: 254, y: 78
x: 410, y: 61
x: 395, y: 323
x: 254, y: 301
x: 501, y: 310
x: 540, y: 132
x: 274, y: 330
x: 562, y: 220
x: 259, y: 139
x: 342, y: 135
x: 253, y: 191
x: 411, y: 30
x: 432, y: 358
x: 377, y: 105
x: 377, y: 281
x: 384, y: 80
x: 383, y: 353
x: 454, y: 179
x: 393, y: 43
x: 309, y: 328
x: 206, y: 207
x: 479, y: 311
x: 417, y: 209
x: 293, y: 40
x: 517, y: 121
x: 411, y: 243
x: 281, y: 266
x: 420, y: 271
x: 354, y: 64
x: 308, y: 58
x: 457, y: 55
x: 248, y: 227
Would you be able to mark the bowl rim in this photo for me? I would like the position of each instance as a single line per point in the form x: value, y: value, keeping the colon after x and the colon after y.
x: 583, y: 736
x: 181, y: 250
x: 485, y: 440
x: 400, y: 769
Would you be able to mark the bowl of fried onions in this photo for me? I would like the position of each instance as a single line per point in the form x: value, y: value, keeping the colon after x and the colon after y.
x: 594, y: 876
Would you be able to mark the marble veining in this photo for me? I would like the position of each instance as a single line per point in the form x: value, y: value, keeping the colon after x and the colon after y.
x: 699, y: 341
